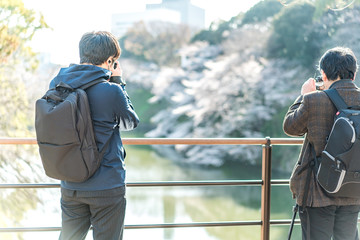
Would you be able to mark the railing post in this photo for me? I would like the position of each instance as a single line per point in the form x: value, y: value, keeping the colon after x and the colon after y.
x: 265, y: 189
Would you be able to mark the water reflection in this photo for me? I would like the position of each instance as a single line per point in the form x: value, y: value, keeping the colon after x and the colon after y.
x: 198, y: 204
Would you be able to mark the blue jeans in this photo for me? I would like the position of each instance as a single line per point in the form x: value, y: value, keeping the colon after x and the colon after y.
x: 104, y: 210
x: 338, y: 222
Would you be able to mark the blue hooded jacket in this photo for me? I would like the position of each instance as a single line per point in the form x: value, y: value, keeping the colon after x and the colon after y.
x: 111, y: 111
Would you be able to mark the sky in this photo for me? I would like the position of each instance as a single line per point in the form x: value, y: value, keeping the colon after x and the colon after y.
x: 69, y: 19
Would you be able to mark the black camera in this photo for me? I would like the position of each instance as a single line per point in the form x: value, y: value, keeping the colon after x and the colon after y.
x: 319, y: 82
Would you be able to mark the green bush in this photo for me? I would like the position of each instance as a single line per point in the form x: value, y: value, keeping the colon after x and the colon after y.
x: 292, y: 35
x: 261, y: 11
x: 215, y: 34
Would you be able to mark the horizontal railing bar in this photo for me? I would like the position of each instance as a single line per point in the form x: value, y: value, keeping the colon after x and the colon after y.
x: 284, y: 222
x: 184, y: 141
x: 30, y: 229
x: 18, y: 141
x: 288, y: 221
x: 30, y: 185
x: 144, y: 226
x: 163, y: 225
x: 195, y: 183
x: 204, y: 224
x: 149, y: 184
x: 194, y: 141
x: 286, y: 141
x: 280, y: 182
x: 160, y: 184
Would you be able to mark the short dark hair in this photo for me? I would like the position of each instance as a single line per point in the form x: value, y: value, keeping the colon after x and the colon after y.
x: 338, y: 62
x: 96, y: 47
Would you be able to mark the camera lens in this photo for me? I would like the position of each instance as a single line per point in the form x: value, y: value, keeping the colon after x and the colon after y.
x: 319, y: 82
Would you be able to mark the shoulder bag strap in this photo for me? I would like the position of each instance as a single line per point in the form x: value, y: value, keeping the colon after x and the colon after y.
x: 336, y: 99
x: 86, y: 86
x: 309, y: 168
x: 92, y: 83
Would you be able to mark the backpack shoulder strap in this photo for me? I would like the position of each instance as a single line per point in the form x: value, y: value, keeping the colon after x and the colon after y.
x: 92, y: 83
x: 336, y: 99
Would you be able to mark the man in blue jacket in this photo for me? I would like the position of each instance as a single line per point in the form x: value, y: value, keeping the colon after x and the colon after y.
x: 99, y: 201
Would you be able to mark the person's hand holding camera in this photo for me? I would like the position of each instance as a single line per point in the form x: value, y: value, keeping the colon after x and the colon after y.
x: 308, y: 86
x: 116, y: 69
x: 116, y: 76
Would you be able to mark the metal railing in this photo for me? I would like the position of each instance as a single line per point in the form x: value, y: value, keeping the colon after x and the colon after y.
x: 265, y: 181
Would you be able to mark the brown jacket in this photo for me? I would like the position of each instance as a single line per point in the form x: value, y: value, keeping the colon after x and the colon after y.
x: 312, y: 115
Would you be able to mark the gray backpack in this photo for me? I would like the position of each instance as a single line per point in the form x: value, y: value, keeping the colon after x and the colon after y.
x: 339, y: 167
x: 65, y: 133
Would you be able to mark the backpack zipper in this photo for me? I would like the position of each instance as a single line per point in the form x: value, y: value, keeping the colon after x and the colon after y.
x: 351, y: 126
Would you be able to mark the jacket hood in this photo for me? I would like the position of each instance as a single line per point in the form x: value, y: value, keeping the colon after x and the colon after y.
x: 78, y: 75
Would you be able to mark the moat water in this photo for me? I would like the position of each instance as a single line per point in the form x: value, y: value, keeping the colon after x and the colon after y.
x: 156, y: 205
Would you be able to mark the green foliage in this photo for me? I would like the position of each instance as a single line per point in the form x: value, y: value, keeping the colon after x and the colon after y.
x: 144, y: 108
x: 17, y: 27
x: 273, y: 127
x: 303, y: 28
x: 215, y: 33
x: 261, y: 11
x: 323, y: 6
x: 292, y: 35
x: 156, y: 43
x: 14, y: 107
x: 218, y: 31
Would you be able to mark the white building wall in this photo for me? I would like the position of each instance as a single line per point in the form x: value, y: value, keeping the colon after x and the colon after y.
x: 196, y: 17
x: 190, y: 14
x: 121, y: 22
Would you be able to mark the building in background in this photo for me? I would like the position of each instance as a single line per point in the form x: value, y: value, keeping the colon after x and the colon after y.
x: 191, y: 15
x: 173, y: 11
x: 121, y: 22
